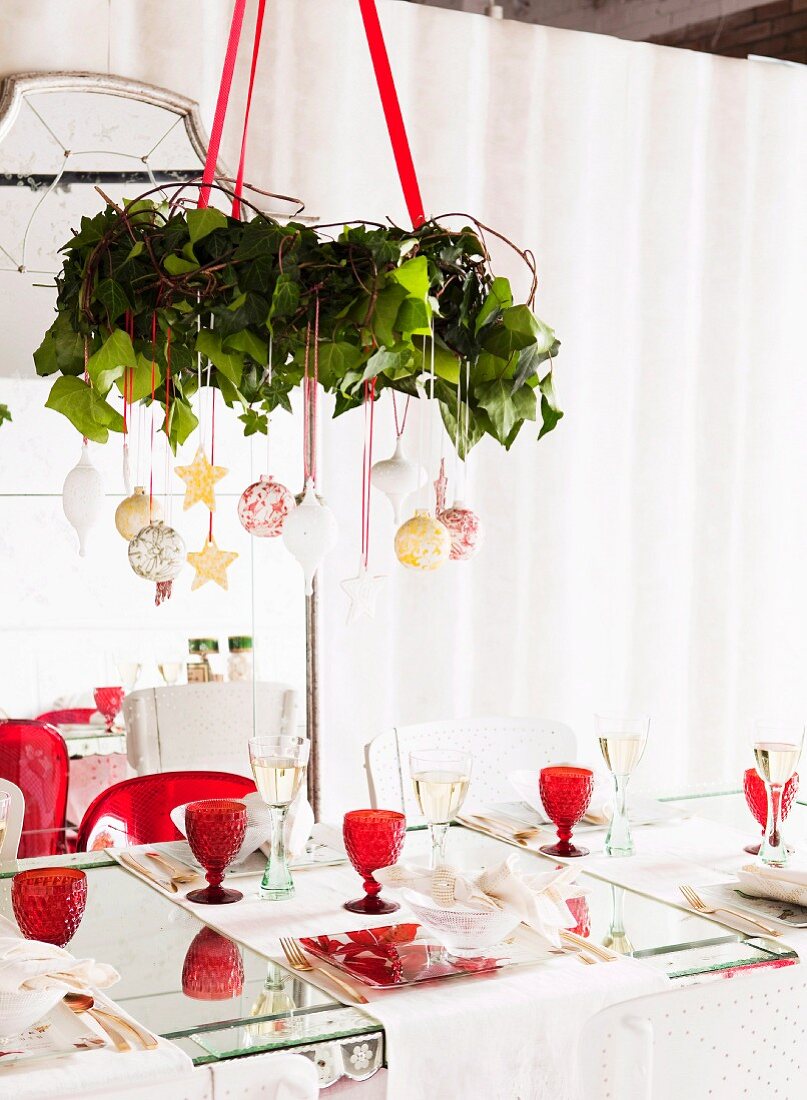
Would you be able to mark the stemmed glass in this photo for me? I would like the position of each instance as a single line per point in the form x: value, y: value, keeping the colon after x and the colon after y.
x: 108, y: 700
x: 777, y: 750
x: 279, y: 765
x: 565, y: 793
x: 49, y: 903
x: 169, y: 670
x: 373, y: 839
x: 622, y: 743
x: 129, y: 672
x: 756, y: 798
x: 215, y: 830
x: 441, y: 778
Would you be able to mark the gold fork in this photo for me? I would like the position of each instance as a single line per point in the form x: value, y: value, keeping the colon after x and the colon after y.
x: 601, y: 953
x: 298, y: 961
x: 700, y: 906
x: 181, y: 874
x: 133, y: 865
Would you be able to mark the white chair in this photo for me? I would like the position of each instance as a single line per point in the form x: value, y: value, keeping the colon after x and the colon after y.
x: 199, y: 727
x: 16, y: 811
x: 266, y: 1077
x: 730, y: 1038
x: 499, y: 746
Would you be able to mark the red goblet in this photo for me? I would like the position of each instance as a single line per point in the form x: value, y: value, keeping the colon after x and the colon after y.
x: 49, y: 903
x: 109, y: 700
x: 565, y: 792
x: 757, y: 798
x: 213, y: 969
x: 373, y: 839
x: 215, y: 830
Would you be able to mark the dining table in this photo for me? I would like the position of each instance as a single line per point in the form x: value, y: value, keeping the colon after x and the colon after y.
x: 174, y: 990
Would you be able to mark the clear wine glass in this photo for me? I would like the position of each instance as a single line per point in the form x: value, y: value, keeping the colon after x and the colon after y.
x: 622, y: 743
x: 441, y: 778
x: 129, y: 671
x: 777, y: 750
x: 170, y: 671
x: 279, y: 765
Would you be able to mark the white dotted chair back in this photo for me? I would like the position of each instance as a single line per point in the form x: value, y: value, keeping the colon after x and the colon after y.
x: 16, y: 811
x: 722, y: 1040
x: 200, y: 727
x: 499, y: 746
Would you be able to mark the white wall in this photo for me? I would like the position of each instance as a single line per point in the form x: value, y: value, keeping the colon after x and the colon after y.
x: 649, y: 553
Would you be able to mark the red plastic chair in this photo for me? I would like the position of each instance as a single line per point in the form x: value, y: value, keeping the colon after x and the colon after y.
x: 34, y: 756
x: 137, y: 811
x: 77, y: 716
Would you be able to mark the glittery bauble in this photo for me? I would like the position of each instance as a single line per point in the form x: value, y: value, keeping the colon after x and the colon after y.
x: 263, y: 507
x: 157, y: 553
x: 133, y: 513
x: 423, y: 542
x: 397, y: 477
x: 83, y: 497
x: 465, y: 528
x: 310, y: 533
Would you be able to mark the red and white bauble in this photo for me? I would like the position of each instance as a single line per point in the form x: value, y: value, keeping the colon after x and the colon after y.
x: 264, y: 506
x: 465, y: 528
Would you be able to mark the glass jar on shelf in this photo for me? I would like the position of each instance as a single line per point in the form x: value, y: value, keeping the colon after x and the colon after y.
x: 239, y: 665
x: 200, y: 668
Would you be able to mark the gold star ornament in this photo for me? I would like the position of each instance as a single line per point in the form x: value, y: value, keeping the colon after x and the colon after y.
x: 211, y: 564
x: 200, y: 479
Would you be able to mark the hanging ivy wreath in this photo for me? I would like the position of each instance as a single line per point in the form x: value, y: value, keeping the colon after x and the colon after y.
x: 240, y: 296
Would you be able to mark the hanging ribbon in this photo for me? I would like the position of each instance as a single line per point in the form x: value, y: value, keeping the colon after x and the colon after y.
x: 392, y: 112
x: 151, y: 443
x: 256, y: 47
x: 310, y: 384
x: 366, y: 471
x: 212, y: 453
x: 400, y: 428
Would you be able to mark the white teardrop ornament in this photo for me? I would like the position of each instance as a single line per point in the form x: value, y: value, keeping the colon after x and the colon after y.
x: 397, y: 477
x: 83, y: 497
x: 309, y: 533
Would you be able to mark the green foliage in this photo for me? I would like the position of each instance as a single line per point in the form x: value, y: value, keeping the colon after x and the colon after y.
x: 4, y: 414
x: 234, y: 293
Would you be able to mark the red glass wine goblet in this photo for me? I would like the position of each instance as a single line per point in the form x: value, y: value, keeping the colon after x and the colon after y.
x: 565, y: 793
x: 757, y: 798
x: 49, y: 903
x: 215, y: 830
x: 109, y: 700
x: 373, y: 839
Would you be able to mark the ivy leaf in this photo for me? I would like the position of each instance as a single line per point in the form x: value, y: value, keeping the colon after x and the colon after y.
x: 61, y: 350
x: 178, y: 265
x: 108, y: 363
x: 385, y: 361
x: 248, y: 342
x: 516, y: 329
x: 530, y: 358
x: 45, y: 355
x: 335, y: 360
x: 414, y: 316
x: 84, y: 408
x: 446, y: 364
x: 113, y: 298
x: 182, y: 423
x: 414, y: 277
x: 385, y: 313
x: 202, y: 222
x: 141, y: 378
x: 500, y: 297
x: 550, y: 413
x: 285, y: 297
x: 229, y: 363
x: 275, y: 394
x: 448, y: 411
x: 4, y: 414
x: 229, y: 392
x: 505, y: 408
x: 254, y: 421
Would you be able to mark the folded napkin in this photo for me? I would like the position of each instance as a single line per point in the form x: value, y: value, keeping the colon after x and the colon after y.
x: 539, y: 900
x: 27, y: 965
x: 299, y: 823
x: 600, y: 808
x: 788, y: 884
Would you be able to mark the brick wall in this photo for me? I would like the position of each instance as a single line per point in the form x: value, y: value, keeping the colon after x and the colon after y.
x: 733, y: 28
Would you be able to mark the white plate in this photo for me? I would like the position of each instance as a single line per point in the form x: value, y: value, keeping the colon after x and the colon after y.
x: 59, y: 1032
x: 779, y: 912
x: 255, y: 862
x: 641, y: 811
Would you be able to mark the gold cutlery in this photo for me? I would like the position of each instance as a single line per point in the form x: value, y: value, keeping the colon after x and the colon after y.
x: 298, y: 961
x: 133, y: 865
x: 700, y: 906
x: 601, y: 953
x: 180, y: 873
x: 497, y: 830
x: 83, y: 1002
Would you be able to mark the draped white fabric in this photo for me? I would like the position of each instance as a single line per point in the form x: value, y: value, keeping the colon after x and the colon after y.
x: 649, y: 553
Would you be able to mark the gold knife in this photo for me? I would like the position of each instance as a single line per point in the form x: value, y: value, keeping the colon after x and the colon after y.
x: 133, y: 865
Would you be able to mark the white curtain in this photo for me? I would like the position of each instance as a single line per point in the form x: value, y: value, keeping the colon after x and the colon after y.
x: 649, y: 553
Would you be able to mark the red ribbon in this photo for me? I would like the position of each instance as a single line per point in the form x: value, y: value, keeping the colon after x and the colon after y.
x: 221, y: 103
x: 256, y: 48
x: 392, y: 112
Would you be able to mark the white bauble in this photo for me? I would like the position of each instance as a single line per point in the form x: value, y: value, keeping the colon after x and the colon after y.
x: 157, y: 553
x: 309, y: 533
x: 83, y: 497
x: 397, y: 477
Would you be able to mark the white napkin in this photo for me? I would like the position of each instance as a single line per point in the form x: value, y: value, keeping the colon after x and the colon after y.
x: 539, y: 900
x: 27, y: 965
x: 600, y: 808
x: 299, y: 823
x: 787, y: 884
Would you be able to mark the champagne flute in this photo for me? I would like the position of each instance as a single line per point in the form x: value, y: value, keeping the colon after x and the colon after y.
x: 279, y: 765
x: 441, y: 778
x: 777, y: 749
x: 622, y: 743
